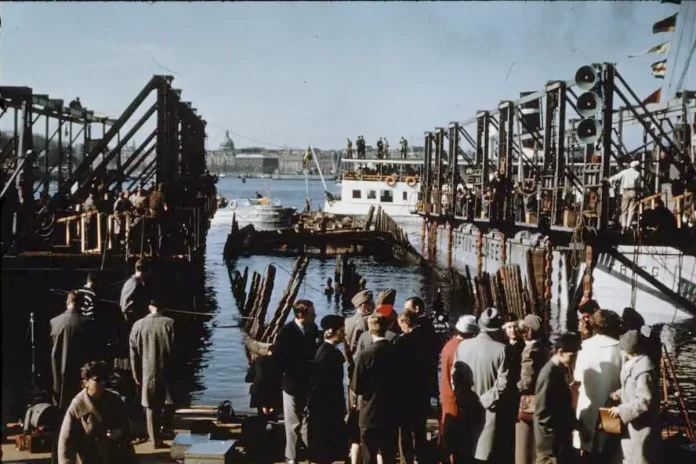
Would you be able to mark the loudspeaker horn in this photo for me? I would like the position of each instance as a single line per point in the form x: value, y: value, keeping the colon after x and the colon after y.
x: 586, y: 77
x: 589, y: 104
x: 589, y: 131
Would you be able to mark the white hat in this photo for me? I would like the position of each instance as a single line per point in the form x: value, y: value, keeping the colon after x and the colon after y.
x: 467, y: 324
x: 635, y: 164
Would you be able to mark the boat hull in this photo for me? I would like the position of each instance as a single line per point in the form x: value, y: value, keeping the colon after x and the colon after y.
x: 612, y: 286
x: 261, y: 217
x: 362, y: 209
x: 398, y: 200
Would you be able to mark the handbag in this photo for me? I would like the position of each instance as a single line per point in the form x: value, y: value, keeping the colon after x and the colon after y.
x: 608, y: 424
x: 526, y: 408
x: 605, y: 422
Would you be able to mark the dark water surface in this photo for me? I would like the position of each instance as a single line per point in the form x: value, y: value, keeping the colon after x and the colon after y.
x: 212, y: 364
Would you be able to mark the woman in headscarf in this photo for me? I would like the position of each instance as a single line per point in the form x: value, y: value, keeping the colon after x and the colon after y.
x: 640, y: 404
x: 597, y: 369
x: 534, y: 356
x: 95, y: 428
x: 450, y: 436
x: 328, y: 436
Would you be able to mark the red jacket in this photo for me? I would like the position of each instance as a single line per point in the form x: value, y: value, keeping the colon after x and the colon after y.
x: 447, y: 399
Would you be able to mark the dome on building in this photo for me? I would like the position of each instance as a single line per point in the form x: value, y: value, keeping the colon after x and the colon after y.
x: 227, y: 144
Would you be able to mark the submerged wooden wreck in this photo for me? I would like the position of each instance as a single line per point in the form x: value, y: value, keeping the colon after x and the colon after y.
x: 321, y: 234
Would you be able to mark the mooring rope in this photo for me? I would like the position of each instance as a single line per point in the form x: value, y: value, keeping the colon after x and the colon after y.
x: 304, y: 280
x: 179, y: 311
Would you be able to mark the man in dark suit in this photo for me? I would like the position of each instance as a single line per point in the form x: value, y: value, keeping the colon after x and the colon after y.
x: 554, y: 416
x: 294, y: 350
x: 375, y: 381
x: 418, y: 369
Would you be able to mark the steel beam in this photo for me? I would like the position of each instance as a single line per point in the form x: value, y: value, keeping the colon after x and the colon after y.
x: 120, y: 174
x: 453, y: 157
x: 81, y: 170
x: 608, y: 88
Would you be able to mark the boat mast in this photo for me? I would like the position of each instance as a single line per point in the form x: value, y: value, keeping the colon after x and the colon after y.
x: 321, y: 176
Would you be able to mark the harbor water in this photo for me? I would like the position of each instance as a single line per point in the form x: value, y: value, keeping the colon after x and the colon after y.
x: 212, y: 363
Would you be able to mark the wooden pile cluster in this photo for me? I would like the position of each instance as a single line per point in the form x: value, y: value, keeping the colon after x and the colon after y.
x: 384, y: 223
x: 508, y: 292
x: 239, y: 283
x: 254, y: 305
x: 347, y: 281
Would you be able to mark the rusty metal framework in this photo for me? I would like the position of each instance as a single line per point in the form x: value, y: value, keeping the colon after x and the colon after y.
x: 178, y: 144
x: 546, y: 141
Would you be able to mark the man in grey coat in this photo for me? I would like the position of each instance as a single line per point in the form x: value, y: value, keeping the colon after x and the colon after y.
x: 151, y: 341
x: 480, y: 366
x: 356, y: 325
x: 68, y: 337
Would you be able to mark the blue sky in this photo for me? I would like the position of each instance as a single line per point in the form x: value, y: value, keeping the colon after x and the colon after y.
x: 293, y: 73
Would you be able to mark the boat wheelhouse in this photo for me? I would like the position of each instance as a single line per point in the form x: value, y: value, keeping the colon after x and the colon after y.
x: 392, y: 184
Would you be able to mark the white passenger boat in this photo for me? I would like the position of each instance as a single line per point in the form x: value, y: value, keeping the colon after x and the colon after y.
x: 392, y: 184
x: 263, y: 213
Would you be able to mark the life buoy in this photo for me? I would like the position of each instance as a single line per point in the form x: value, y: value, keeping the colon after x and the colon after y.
x: 391, y: 181
x: 410, y: 181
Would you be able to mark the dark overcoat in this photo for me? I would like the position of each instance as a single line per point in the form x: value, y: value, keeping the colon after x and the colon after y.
x: 151, y: 341
x: 328, y: 437
x: 68, y: 354
x: 133, y: 301
x: 554, y: 416
x: 264, y: 376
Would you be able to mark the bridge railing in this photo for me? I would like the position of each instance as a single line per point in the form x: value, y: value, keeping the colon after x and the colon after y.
x: 93, y: 232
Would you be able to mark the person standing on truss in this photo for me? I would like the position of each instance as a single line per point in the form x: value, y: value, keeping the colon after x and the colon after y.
x: 629, y: 180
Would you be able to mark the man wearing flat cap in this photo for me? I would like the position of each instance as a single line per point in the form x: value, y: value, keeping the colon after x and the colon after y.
x: 385, y: 307
x: 480, y: 366
x: 151, y: 341
x: 328, y: 435
x: 356, y: 325
x: 629, y: 180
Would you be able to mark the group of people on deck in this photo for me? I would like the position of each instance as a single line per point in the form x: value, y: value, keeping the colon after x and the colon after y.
x: 506, y: 396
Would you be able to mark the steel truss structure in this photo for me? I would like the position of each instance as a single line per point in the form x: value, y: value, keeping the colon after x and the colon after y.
x: 178, y: 144
x: 537, y: 139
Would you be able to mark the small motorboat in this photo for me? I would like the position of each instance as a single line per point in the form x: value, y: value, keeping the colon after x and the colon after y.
x: 263, y: 213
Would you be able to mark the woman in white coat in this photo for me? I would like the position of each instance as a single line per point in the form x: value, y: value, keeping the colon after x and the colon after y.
x: 640, y: 404
x: 597, y: 369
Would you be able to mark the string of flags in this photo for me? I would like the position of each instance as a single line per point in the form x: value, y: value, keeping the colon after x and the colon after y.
x: 659, y: 68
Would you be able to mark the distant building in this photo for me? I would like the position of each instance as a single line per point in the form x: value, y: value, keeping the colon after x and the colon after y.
x: 291, y: 162
x: 255, y: 163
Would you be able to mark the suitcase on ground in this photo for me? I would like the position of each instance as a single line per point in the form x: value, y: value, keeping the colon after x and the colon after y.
x: 183, y: 441
x: 211, y: 452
